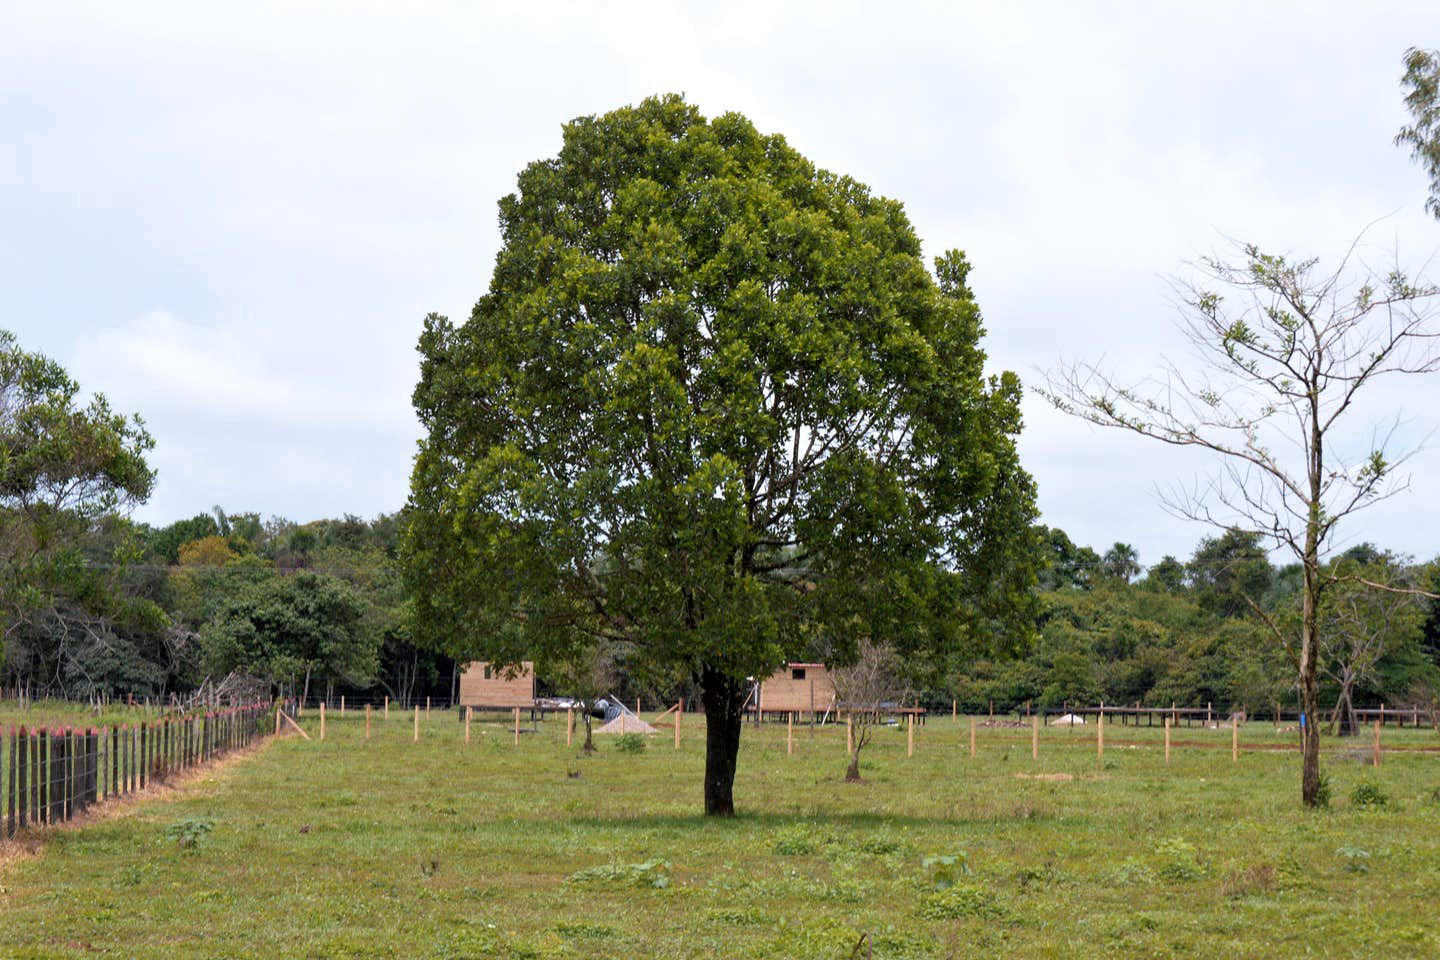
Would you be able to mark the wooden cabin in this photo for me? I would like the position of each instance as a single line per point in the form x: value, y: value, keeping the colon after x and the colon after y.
x: 802, y: 688
x: 487, y: 687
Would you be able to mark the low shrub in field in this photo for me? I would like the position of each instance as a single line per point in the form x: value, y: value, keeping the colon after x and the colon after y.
x: 1367, y: 794
x: 960, y: 901
x: 630, y: 743
x: 1179, y: 861
x: 653, y: 874
x: 188, y: 833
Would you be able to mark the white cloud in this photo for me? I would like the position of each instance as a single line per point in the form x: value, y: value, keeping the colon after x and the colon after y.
x: 300, y: 183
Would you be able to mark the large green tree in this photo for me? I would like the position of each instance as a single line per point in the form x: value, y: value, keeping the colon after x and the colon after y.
x: 67, y: 468
x: 713, y: 408
x: 292, y: 629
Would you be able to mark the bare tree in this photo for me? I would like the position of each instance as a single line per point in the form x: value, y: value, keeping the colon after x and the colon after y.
x: 1284, y: 362
x: 866, y: 690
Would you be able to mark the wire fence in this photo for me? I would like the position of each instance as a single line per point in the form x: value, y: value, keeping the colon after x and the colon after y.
x: 49, y: 775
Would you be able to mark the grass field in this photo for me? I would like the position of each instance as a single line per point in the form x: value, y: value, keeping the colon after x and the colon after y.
x: 383, y: 848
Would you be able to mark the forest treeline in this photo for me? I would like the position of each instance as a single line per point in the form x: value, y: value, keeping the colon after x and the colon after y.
x: 319, y: 608
x: 1205, y: 630
x: 268, y: 605
x: 94, y: 604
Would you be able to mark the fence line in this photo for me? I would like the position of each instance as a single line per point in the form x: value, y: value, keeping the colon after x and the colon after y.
x: 49, y: 775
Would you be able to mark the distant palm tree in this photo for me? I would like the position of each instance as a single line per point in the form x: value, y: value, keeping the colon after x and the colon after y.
x: 1121, y: 562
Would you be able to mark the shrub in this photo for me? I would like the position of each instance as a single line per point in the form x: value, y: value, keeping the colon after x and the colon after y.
x: 1179, y: 861
x: 630, y: 743
x: 1368, y: 794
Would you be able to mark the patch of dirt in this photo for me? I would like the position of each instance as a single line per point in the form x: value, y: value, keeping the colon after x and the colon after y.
x: 1048, y: 777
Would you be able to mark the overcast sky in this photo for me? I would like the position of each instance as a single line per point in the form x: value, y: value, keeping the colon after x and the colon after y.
x: 233, y: 221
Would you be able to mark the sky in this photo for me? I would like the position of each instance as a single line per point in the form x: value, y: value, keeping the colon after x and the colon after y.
x: 234, y: 219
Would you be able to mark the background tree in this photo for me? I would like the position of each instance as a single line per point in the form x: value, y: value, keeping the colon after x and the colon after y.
x: 1361, y: 625
x: 1422, y: 98
x: 289, y: 629
x: 67, y: 471
x: 713, y: 406
x: 1285, y: 362
x: 1121, y: 562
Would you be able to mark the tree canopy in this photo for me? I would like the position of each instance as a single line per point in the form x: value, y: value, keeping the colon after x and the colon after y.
x: 714, y: 407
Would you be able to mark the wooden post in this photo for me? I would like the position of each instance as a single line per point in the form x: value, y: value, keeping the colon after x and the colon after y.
x: 909, y: 734
x: 680, y: 712
x: 569, y: 725
x: 517, y: 726
x: 415, y: 734
x: 1375, y: 757
x: 342, y: 704
x: 953, y: 707
x: 1167, y: 741
x: 468, y: 714
x: 637, y: 708
x: 972, y: 738
x: 387, y: 708
x: 277, y: 720
x: 1100, y: 735
x: 1035, y: 737
x: 992, y: 711
x: 789, y: 732
x: 322, y: 720
x: 1234, y: 737
x: 1207, y: 713
x: 367, y: 721
x: 427, y: 707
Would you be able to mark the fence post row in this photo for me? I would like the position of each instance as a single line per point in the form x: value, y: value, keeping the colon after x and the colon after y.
x: 51, y: 775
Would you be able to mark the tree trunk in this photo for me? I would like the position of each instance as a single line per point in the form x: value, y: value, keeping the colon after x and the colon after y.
x: 589, y: 730
x: 724, y: 699
x: 1309, y: 682
x: 852, y: 772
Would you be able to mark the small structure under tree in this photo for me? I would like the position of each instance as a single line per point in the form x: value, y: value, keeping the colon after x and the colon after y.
x: 488, y: 686
x: 798, y: 688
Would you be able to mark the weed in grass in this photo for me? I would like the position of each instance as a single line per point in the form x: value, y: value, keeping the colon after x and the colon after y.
x: 586, y: 931
x: 963, y: 900
x: 188, y: 833
x: 1356, y: 859
x: 1133, y: 871
x: 1249, y: 881
x: 1368, y: 794
x: 943, y: 871
x: 652, y: 874
x: 1179, y: 861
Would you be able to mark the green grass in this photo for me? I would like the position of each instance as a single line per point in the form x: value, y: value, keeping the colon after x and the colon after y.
x: 385, y: 848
